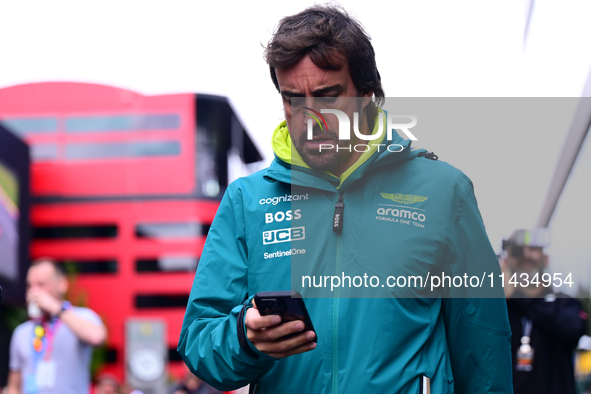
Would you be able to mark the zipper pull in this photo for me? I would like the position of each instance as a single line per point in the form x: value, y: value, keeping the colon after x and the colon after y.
x: 337, y: 221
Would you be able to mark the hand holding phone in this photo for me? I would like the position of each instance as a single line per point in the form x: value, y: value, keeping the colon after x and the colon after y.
x: 287, y: 304
x: 279, y: 335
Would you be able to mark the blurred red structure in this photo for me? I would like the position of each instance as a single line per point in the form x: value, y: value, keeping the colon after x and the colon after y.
x: 124, y: 188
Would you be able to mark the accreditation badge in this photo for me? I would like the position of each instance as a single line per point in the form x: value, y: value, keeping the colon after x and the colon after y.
x: 46, y: 374
x: 30, y: 384
x: 525, y: 356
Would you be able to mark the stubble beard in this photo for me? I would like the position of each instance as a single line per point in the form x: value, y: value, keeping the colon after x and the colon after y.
x: 534, y: 267
x: 324, y: 158
x: 327, y: 159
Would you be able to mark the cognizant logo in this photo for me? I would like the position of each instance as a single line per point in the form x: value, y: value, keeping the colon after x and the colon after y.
x: 284, y: 198
x: 345, y: 128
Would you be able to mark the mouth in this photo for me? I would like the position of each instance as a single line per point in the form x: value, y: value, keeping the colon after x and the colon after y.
x: 528, y: 265
x: 320, y: 140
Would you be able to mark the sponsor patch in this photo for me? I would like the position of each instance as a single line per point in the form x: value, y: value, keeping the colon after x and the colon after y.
x: 283, y: 253
x: 403, y: 198
x: 284, y: 235
x: 280, y: 216
x: 284, y: 198
x: 398, y: 214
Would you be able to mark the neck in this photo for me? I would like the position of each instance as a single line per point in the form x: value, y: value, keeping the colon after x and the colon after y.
x: 532, y: 291
x: 338, y: 171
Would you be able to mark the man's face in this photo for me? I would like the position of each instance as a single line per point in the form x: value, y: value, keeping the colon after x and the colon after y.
x: 531, y: 261
x: 107, y: 386
x: 43, y: 276
x: 307, y: 85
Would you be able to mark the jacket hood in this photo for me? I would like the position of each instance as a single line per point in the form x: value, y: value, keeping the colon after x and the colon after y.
x: 289, y: 167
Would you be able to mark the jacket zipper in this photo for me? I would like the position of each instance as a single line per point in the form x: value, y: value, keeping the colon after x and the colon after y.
x: 339, y: 210
x: 338, y: 229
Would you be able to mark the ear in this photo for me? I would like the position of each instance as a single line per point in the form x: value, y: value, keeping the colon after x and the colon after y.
x: 366, y: 99
x: 545, y: 261
x: 63, y: 286
x: 503, y: 261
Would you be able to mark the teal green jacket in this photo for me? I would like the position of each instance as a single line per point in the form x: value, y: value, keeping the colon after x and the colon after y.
x: 404, y: 215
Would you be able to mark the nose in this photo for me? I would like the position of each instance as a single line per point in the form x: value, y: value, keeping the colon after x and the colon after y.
x: 313, y: 103
x: 529, y: 252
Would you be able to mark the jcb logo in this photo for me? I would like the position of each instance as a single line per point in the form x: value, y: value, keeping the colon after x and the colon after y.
x: 281, y: 216
x: 284, y: 235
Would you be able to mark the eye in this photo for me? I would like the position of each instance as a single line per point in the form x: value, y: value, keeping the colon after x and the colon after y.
x: 326, y: 101
x: 297, y: 102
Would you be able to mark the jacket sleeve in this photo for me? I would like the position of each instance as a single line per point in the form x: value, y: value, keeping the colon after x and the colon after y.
x: 208, y: 341
x: 563, y: 319
x: 477, y: 329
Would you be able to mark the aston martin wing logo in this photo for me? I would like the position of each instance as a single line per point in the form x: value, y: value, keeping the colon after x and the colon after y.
x: 403, y: 198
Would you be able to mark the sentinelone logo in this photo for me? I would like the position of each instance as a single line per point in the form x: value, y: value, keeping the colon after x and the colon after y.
x: 345, y: 127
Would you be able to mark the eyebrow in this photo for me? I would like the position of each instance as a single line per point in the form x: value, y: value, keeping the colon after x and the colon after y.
x: 318, y: 92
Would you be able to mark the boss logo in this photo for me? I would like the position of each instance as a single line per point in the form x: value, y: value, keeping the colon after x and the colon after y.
x: 337, y: 220
x: 284, y: 235
x: 281, y: 216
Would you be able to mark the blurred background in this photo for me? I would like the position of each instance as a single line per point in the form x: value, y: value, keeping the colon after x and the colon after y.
x: 136, y: 115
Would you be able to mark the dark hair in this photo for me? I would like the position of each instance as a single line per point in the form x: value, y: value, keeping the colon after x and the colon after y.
x: 330, y: 37
x: 59, y: 268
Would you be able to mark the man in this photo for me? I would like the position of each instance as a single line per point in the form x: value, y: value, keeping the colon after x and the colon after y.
x: 51, y: 353
x: 107, y: 384
x: 546, y: 325
x: 191, y: 384
x: 328, y: 193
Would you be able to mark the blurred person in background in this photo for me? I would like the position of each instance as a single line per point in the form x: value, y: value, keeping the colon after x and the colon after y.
x: 4, y: 350
x: 191, y: 384
x: 130, y: 390
x: 108, y: 384
x: 51, y: 352
x: 546, y: 324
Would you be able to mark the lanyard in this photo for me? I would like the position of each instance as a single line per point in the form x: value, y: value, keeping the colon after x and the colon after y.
x: 43, y: 337
x: 526, y: 324
x: 525, y: 353
x: 51, y: 330
x: 44, y: 334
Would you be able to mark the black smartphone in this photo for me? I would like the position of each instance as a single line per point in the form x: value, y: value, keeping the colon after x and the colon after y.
x: 288, y: 304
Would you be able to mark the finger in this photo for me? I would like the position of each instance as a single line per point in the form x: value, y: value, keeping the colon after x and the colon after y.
x: 276, y: 332
x: 32, y: 295
x: 285, y: 345
x: 299, y: 344
x: 301, y: 349
x: 255, y: 321
x: 35, y: 293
